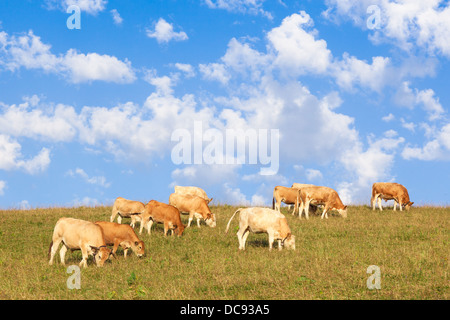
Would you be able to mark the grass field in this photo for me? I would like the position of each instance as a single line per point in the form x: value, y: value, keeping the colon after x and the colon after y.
x: 330, y: 262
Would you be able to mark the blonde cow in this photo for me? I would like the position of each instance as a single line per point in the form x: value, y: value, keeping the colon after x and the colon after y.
x: 325, y: 196
x: 263, y: 220
x: 162, y: 213
x: 193, y: 191
x: 390, y: 191
x: 312, y: 205
x: 76, y: 234
x: 194, y: 206
x: 127, y: 209
x: 286, y: 195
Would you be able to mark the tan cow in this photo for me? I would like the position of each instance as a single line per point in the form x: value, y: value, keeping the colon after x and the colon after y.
x: 325, y: 196
x: 81, y: 235
x: 194, y: 191
x: 263, y: 220
x: 286, y: 195
x: 121, y: 235
x: 312, y: 206
x: 162, y: 213
x: 127, y: 209
x: 195, y: 207
x: 390, y: 191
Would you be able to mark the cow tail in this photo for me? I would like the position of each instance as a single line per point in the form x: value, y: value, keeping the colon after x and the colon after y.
x: 273, y: 203
x: 50, y: 249
x: 228, y: 225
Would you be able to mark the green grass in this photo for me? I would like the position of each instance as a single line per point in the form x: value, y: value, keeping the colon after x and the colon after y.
x: 332, y: 256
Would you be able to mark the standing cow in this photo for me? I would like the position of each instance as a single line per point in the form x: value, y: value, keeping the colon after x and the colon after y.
x: 195, y: 207
x: 76, y: 234
x: 194, y: 191
x: 162, y: 213
x: 123, y: 235
x: 127, y: 209
x: 286, y: 195
x: 325, y: 196
x: 263, y: 220
x: 390, y: 191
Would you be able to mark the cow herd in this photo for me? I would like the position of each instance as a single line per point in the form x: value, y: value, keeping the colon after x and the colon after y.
x: 94, y: 238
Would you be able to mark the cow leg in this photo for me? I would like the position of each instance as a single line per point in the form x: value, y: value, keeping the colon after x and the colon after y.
x: 53, y: 249
x: 85, y: 255
x: 149, y: 226
x: 280, y: 247
x: 324, y: 213
x: 400, y: 205
x: 166, y: 228
x: 374, y: 201
x: 62, y: 254
x: 198, y: 222
x: 244, y: 238
x: 271, y: 239
x: 125, y: 251
x: 300, y: 210
x: 379, y: 204
x: 119, y: 219
x: 307, y: 209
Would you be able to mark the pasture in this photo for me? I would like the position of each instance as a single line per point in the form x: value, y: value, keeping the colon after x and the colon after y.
x: 330, y: 260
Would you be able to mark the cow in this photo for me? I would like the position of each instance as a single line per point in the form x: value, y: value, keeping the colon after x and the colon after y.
x: 312, y: 206
x: 325, y: 196
x: 123, y: 235
x: 194, y: 191
x: 127, y: 209
x: 194, y: 206
x: 390, y: 191
x: 162, y: 213
x: 76, y: 234
x: 286, y: 195
x: 263, y: 220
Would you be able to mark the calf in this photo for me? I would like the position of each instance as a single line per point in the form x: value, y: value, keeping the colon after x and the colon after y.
x: 81, y: 235
x: 195, y: 207
x: 121, y: 235
x: 162, y: 213
x: 390, y: 191
x: 194, y: 191
x: 127, y: 209
x: 324, y: 196
x: 286, y: 195
x: 263, y: 220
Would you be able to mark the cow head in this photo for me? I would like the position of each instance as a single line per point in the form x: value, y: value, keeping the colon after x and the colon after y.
x: 343, y: 212
x: 138, y: 247
x: 289, y: 242
x: 101, y: 254
x: 210, y: 220
x: 179, y: 230
x: 407, y: 205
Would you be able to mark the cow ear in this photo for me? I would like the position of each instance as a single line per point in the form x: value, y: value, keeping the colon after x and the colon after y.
x: 95, y: 249
x: 345, y: 207
x: 136, y: 243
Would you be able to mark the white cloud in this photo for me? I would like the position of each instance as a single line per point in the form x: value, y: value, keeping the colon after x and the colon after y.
x: 92, y: 7
x: 28, y: 51
x: 313, y: 174
x: 164, y: 32
x: 388, y: 118
x: 215, y: 71
x: 243, y: 6
x: 2, y: 187
x: 404, y: 23
x: 186, y: 68
x: 116, y: 17
x: 11, y: 157
x: 437, y: 148
x: 97, y: 180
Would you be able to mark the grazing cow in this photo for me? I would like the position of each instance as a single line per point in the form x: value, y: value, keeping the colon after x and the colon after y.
x: 162, y: 213
x: 81, y: 235
x: 194, y: 191
x: 127, y: 209
x: 324, y: 196
x: 286, y: 195
x: 121, y: 235
x: 390, y: 191
x: 263, y: 220
x: 194, y: 206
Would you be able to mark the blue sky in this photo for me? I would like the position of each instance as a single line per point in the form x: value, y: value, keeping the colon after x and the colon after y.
x: 87, y: 115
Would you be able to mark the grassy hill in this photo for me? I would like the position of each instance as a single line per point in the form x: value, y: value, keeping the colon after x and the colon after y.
x: 330, y: 262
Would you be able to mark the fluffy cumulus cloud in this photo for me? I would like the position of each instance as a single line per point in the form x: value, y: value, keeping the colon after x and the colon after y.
x: 436, y: 148
x: 408, y: 24
x: 163, y: 32
x: 29, y: 52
